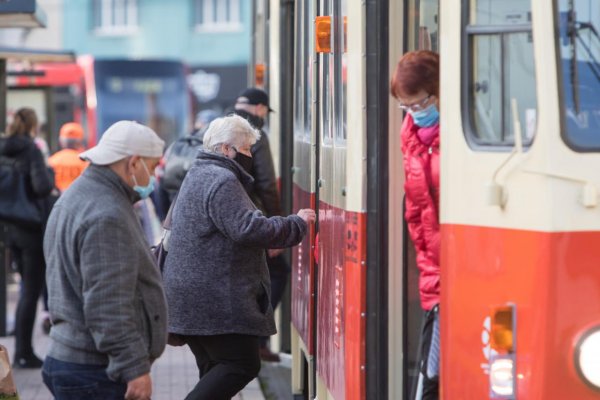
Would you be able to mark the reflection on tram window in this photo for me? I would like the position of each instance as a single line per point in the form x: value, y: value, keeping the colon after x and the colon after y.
x: 423, y: 25
x: 501, y: 70
x: 304, y: 55
x: 580, y: 62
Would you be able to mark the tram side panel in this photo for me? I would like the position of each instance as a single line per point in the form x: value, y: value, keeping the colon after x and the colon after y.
x: 302, y: 285
x: 331, y: 288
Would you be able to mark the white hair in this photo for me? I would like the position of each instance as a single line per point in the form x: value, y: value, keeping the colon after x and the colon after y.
x: 232, y: 130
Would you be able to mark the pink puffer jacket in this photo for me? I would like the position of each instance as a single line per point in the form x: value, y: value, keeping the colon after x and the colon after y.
x: 420, y: 147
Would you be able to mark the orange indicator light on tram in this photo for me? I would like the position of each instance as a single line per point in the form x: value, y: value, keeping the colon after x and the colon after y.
x: 323, y: 34
x: 502, y: 335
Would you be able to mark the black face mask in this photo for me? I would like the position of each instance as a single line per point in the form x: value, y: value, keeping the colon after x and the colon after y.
x: 244, y: 161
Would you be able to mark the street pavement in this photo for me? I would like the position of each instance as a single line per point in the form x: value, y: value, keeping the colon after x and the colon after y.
x: 174, y: 374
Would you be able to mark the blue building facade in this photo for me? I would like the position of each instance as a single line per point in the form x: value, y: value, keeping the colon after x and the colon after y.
x: 212, y: 37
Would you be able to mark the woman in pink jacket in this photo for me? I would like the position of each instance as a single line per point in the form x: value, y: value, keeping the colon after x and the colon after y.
x: 415, y: 84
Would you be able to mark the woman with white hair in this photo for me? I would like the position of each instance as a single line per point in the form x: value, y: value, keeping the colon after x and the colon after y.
x: 216, y: 277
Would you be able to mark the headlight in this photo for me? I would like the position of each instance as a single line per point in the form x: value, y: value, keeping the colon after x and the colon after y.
x: 502, y: 377
x: 587, y: 357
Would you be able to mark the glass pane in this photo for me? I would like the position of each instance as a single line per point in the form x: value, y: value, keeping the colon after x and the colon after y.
x: 339, y: 65
x: 307, y: 68
x: 423, y: 25
x: 299, y: 68
x: 580, y: 62
x: 500, y: 12
x: 326, y: 83
x: 503, y: 70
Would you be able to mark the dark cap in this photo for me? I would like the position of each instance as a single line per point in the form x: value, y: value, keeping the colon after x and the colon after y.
x: 254, y: 96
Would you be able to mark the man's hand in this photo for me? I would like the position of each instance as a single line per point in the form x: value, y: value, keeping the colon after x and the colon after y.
x: 272, y: 253
x: 139, y: 388
x: 308, y: 215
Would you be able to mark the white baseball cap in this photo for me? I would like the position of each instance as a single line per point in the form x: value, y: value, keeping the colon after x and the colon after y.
x: 123, y: 139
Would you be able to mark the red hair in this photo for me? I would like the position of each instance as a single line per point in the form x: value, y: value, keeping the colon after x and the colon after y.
x: 416, y: 71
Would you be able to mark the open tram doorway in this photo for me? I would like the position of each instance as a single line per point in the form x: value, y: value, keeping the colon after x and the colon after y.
x: 418, y: 31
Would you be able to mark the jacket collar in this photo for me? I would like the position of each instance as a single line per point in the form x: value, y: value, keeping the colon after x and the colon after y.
x: 108, y: 177
x: 255, y: 121
x: 410, y: 137
x: 220, y: 160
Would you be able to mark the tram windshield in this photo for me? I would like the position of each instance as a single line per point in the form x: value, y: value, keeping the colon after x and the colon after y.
x: 580, y: 61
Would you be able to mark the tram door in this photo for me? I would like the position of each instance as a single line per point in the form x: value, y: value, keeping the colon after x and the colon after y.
x: 303, y: 280
x: 332, y: 205
x: 418, y: 32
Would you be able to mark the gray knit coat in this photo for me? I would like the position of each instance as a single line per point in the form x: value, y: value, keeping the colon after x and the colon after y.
x: 216, y: 277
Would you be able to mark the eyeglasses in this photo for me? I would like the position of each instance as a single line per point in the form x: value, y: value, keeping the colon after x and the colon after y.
x: 416, y: 106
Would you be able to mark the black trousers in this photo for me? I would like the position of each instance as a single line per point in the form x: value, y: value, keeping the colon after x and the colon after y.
x: 27, y: 247
x: 279, y: 271
x: 227, y: 363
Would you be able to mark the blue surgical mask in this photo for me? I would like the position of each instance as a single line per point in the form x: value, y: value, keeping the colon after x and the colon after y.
x: 144, y: 191
x: 427, y: 117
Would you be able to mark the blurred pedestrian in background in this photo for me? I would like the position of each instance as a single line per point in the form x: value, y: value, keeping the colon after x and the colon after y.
x: 105, y: 292
x: 25, y: 184
x: 415, y: 84
x: 253, y: 105
x: 180, y: 155
x: 216, y: 278
x: 66, y: 163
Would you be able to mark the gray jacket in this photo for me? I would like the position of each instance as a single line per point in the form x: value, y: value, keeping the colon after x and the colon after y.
x: 106, y: 300
x: 216, y: 276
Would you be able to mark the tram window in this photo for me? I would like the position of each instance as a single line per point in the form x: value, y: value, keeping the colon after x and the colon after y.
x: 579, y: 43
x: 423, y: 25
x: 327, y: 86
x: 299, y: 103
x: 500, y: 70
x: 303, y: 65
x: 340, y: 54
x: 307, y: 70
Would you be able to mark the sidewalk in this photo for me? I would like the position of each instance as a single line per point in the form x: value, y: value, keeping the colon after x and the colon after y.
x: 174, y: 374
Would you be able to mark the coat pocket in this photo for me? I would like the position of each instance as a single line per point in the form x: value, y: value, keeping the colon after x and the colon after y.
x: 263, y: 299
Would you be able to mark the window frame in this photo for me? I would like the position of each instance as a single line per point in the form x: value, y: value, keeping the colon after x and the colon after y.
x: 214, y: 25
x: 468, y: 32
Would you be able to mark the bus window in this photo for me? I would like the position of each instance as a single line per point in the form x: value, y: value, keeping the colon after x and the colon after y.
x: 579, y: 43
x: 500, y: 69
x: 153, y: 93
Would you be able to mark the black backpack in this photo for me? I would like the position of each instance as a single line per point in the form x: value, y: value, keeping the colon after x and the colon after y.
x: 179, y: 157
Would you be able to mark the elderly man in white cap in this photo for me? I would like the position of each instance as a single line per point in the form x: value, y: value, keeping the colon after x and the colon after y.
x: 106, y: 299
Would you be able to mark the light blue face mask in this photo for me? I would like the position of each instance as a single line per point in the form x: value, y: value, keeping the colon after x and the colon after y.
x: 427, y: 117
x: 144, y: 191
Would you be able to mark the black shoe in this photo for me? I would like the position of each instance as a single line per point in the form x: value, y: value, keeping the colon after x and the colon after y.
x: 267, y: 355
x: 28, y: 362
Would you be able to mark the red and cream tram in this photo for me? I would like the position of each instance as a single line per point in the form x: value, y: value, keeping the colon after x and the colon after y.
x: 519, y: 208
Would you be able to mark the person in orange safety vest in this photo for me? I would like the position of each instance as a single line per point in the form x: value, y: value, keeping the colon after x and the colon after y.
x: 66, y: 163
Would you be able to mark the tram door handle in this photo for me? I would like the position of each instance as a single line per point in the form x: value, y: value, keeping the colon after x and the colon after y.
x: 321, y: 182
x: 295, y: 169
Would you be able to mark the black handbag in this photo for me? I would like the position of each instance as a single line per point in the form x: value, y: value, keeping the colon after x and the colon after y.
x: 18, y: 203
x: 160, y: 251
